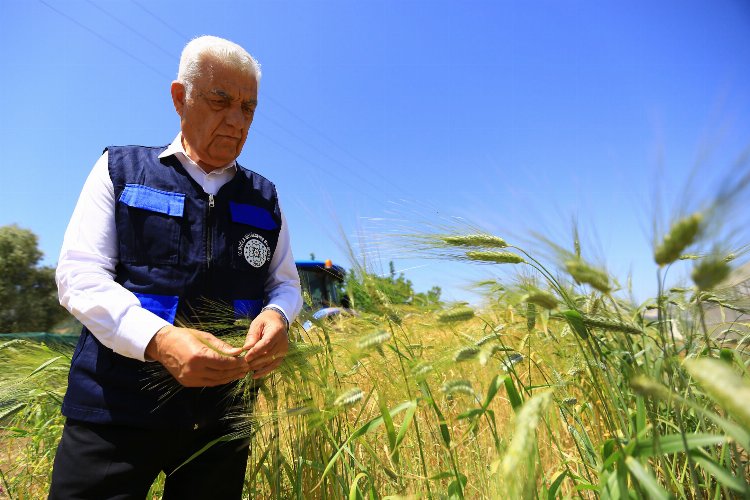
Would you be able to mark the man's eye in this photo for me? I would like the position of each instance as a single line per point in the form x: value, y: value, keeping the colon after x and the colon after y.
x: 217, y: 103
x: 248, y: 109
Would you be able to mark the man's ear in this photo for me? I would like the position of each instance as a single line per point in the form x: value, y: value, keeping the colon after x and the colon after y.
x: 178, y: 96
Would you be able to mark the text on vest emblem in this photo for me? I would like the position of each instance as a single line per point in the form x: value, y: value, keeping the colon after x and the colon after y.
x: 255, y: 249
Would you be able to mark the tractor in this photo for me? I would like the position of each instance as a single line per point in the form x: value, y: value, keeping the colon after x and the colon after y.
x: 322, y: 286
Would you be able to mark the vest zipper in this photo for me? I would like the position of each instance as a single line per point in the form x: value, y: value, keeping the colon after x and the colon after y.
x: 209, y: 232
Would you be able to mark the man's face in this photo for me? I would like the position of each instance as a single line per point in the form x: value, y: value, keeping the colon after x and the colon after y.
x: 216, y: 117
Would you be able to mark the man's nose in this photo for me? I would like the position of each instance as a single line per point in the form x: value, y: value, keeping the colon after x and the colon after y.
x: 235, y: 117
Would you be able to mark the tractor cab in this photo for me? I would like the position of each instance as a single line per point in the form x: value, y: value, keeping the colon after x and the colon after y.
x: 322, y: 282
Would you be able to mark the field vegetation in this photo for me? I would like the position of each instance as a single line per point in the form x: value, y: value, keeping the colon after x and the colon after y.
x: 556, y: 387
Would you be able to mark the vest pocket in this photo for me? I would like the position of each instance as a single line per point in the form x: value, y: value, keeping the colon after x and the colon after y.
x: 164, y: 306
x: 149, y: 224
x: 80, y: 345
x: 247, y: 308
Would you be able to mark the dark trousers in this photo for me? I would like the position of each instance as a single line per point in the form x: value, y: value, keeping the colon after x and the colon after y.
x: 97, y: 461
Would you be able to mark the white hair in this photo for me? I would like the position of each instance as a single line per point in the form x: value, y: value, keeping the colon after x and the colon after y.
x: 203, y: 49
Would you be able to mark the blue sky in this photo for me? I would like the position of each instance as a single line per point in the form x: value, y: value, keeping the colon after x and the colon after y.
x: 377, y: 116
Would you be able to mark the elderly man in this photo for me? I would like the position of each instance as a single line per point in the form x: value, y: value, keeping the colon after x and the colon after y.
x: 165, y: 233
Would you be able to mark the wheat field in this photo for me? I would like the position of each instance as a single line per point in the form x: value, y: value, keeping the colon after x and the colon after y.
x: 555, y: 387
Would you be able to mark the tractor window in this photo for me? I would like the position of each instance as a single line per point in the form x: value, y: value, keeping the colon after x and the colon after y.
x: 332, y: 290
x: 322, y: 286
x: 314, y: 284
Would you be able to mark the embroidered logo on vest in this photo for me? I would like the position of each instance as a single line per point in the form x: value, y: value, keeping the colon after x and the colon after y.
x: 255, y: 249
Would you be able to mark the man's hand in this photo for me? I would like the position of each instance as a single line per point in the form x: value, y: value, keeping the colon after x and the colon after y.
x: 191, y: 357
x: 267, y: 343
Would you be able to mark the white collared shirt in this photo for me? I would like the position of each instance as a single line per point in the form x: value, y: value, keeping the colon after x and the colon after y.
x: 86, y: 269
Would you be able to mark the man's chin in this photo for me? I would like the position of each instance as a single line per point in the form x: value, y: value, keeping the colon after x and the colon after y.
x: 222, y: 158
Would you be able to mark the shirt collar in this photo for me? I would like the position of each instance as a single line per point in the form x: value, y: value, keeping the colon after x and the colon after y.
x: 175, y: 149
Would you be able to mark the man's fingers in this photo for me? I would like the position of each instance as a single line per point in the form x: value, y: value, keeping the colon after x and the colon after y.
x: 254, y: 334
x: 266, y: 345
x: 210, y: 377
x: 263, y: 344
x: 252, y: 338
x: 217, y: 363
x: 267, y: 327
x: 258, y: 362
x: 272, y: 341
x: 220, y: 355
x: 199, y: 359
x: 266, y: 369
x: 217, y: 345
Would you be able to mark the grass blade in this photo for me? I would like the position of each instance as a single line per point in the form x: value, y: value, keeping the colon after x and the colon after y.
x: 722, y: 476
x: 552, y: 493
x: 402, y: 430
x: 364, y: 429
x: 354, y: 493
x: 673, y: 443
x: 492, y: 390
x: 444, y: 433
x: 515, y: 398
x: 645, y: 479
x: 575, y: 320
x: 648, y: 387
x: 44, y: 365
x: 388, y: 421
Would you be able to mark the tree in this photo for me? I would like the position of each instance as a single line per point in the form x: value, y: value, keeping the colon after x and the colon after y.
x: 363, y: 287
x: 28, y: 295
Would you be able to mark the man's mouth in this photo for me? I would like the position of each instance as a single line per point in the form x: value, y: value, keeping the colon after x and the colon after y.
x: 229, y: 137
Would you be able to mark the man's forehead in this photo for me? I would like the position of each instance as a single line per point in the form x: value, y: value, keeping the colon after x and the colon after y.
x: 215, y: 75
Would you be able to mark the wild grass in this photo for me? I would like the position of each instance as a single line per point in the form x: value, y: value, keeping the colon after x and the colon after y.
x: 556, y: 387
x: 481, y: 406
x: 32, y: 383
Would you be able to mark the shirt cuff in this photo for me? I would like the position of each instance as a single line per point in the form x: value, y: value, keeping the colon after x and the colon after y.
x: 278, y: 309
x: 137, y: 327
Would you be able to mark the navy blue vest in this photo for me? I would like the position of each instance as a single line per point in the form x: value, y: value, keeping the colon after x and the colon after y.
x: 189, y: 257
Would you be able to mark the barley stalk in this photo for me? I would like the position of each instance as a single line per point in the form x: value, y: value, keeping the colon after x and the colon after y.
x: 541, y: 298
x: 456, y: 314
x: 583, y: 272
x: 475, y: 240
x: 466, y: 353
x: 681, y: 235
x: 495, y: 257
x: 349, y: 397
x: 646, y: 387
x: 516, y: 467
x: 709, y: 272
x: 724, y: 385
x: 614, y: 326
x: 421, y: 369
x: 489, y: 350
x: 460, y: 386
x: 373, y: 339
x: 490, y: 337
